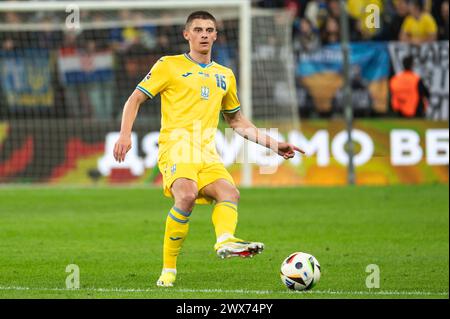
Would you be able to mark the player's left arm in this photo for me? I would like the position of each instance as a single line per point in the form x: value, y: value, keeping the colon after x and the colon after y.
x: 244, y: 127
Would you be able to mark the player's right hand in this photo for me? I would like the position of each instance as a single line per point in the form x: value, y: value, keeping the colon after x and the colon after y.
x: 122, y: 146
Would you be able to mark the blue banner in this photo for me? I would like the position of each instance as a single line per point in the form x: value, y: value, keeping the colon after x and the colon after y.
x: 371, y: 57
x: 321, y: 74
x: 25, y: 79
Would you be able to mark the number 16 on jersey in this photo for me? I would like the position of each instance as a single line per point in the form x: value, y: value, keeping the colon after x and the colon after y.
x: 220, y: 81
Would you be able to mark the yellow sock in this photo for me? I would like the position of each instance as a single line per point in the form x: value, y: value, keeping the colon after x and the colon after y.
x: 225, y: 218
x: 177, y: 227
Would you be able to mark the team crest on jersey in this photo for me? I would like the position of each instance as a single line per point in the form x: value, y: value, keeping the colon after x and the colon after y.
x: 147, y: 77
x: 204, y: 92
x: 205, y: 75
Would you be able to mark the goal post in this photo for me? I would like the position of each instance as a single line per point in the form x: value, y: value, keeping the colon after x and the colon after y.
x: 260, y: 37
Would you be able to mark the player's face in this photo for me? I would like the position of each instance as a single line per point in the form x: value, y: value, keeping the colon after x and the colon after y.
x: 201, y: 35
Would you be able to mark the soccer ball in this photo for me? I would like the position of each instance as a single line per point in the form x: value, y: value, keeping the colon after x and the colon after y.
x: 300, y: 271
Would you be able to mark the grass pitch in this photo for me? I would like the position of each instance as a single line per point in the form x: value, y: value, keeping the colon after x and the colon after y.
x: 115, y: 237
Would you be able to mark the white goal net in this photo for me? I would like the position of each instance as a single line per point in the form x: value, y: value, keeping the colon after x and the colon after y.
x: 66, y: 69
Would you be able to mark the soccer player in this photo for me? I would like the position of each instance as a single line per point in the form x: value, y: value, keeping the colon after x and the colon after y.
x: 194, y: 90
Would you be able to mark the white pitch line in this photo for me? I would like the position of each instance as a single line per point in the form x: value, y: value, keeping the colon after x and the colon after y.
x: 237, y: 291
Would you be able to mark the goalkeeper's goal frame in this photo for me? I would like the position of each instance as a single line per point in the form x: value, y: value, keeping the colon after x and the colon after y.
x: 244, y: 33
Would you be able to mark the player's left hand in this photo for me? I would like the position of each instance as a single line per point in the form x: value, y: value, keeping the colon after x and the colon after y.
x: 287, y: 150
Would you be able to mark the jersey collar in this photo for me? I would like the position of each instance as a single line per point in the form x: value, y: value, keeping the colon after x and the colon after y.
x: 203, y: 65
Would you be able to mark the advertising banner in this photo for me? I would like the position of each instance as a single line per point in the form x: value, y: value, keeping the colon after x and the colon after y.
x: 72, y: 152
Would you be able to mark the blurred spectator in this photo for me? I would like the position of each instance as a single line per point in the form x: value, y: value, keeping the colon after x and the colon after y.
x: 132, y: 64
x: 174, y: 34
x: 302, y: 8
x: 223, y: 53
x: 96, y: 46
x: 10, y: 41
x: 124, y: 37
x: 136, y: 44
x: 45, y: 38
x: 305, y: 102
x: 307, y: 39
x: 394, y: 20
x: 269, y: 3
x: 436, y: 8
x: 87, y: 76
x: 316, y: 11
x: 325, y: 16
x: 7, y: 43
x: 147, y: 32
x: 163, y: 47
x: 330, y: 32
x: 443, y: 19
x: 419, y: 26
x: 357, y: 10
x: 99, y: 87
x: 293, y: 6
x: 101, y: 36
x: 75, y: 98
x: 361, y: 99
x: 334, y: 11
x: 428, y: 4
x: 409, y: 95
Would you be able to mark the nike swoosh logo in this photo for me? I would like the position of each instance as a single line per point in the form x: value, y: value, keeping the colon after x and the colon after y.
x: 186, y: 74
x: 176, y: 238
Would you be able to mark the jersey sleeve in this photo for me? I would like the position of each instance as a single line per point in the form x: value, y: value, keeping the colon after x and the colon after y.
x: 430, y: 24
x: 156, y: 80
x: 230, y: 102
x: 406, y: 26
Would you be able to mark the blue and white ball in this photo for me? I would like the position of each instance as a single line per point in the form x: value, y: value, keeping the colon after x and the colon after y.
x: 300, y: 271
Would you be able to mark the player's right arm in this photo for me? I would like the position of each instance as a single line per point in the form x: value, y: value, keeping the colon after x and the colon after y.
x: 130, y: 110
x: 155, y: 82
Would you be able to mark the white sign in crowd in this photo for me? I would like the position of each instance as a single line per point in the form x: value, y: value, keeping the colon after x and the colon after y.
x: 431, y: 63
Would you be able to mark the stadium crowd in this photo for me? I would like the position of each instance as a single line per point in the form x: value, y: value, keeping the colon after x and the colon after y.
x: 316, y: 23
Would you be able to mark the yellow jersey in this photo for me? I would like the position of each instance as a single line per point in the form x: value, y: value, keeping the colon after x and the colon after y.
x: 421, y: 28
x: 192, y: 97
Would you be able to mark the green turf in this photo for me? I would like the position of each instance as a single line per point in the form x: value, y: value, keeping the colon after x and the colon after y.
x: 115, y: 236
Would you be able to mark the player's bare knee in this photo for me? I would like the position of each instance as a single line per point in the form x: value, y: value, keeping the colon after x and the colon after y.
x: 186, y: 200
x: 185, y: 193
x: 234, y: 195
x: 188, y: 197
x: 231, y: 195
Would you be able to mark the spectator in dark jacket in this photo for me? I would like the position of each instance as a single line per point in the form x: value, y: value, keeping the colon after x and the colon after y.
x: 443, y: 21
